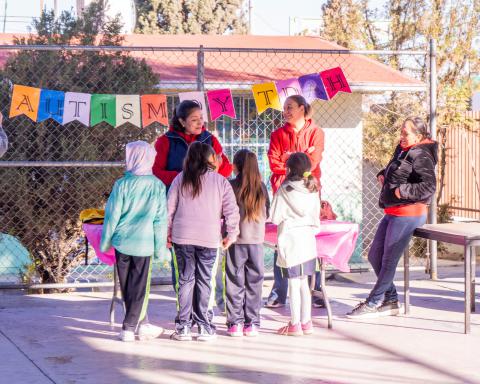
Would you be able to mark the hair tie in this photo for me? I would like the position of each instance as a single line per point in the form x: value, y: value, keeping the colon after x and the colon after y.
x: 307, y: 174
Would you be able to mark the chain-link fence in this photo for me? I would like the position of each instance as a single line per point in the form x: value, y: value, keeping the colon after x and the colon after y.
x: 51, y: 171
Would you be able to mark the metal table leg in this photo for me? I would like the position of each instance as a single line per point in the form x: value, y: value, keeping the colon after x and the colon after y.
x: 406, y: 280
x: 468, y: 286
x: 325, y: 295
x: 473, y: 270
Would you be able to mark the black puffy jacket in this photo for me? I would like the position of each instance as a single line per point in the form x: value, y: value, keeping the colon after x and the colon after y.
x: 413, y: 171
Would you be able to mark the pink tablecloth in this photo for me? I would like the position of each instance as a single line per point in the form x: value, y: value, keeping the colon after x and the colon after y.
x: 94, y: 236
x: 335, y: 241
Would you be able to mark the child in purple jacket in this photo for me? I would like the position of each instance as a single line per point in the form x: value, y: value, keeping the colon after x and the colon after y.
x: 197, y: 200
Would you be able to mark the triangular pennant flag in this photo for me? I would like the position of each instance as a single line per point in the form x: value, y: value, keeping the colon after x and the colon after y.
x: 102, y: 108
x: 312, y: 87
x: 25, y: 101
x: 128, y: 110
x: 199, y: 97
x: 77, y: 107
x: 287, y: 88
x: 220, y: 103
x: 154, y: 108
x: 266, y: 96
x: 51, y: 105
x: 335, y: 81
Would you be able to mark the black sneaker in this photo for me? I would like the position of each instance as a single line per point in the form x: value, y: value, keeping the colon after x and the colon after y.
x: 183, y: 334
x: 318, y: 302
x: 389, y: 308
x: 363, y: 311
x: 274, y: 304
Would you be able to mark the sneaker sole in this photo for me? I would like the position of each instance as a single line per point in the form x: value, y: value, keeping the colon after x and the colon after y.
x: 390, y: 312
x: 251, y: 334
x: 364, y: 316
x: 206, y: 339
x: 308, y: 331
x: 238, y: 334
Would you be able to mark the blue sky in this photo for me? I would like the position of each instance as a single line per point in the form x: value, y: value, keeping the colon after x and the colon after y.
x: 270, y: 17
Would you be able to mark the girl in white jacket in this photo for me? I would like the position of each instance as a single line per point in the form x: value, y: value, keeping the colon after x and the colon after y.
x: 296, y: 212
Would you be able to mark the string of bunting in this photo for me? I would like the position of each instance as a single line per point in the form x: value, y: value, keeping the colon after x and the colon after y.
x: 142, y: 110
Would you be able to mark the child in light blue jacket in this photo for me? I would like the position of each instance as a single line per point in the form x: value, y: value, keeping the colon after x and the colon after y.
x: 136, y: 226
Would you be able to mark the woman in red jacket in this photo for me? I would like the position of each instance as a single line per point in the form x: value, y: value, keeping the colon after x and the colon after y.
x: 299, y: 134
x: 186, y: 127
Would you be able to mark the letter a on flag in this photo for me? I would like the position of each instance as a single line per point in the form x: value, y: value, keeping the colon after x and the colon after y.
x: 266, y: 96
x: 154, y: 108
x: 220, y: 103
x: 334, y: 81
x: 25, y: 101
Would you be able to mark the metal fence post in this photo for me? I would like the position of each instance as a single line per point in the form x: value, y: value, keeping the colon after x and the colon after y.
x: 432, y: 216
x: 201, y: 69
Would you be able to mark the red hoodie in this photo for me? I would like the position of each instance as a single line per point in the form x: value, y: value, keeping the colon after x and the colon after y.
x: 285, y: 141
x: 162, y: 146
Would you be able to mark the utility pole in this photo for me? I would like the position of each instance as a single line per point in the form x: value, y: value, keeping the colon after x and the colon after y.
x: 55, y: 8
x: 250, y: 7
x: 41, y: 6
x: 5, y: 17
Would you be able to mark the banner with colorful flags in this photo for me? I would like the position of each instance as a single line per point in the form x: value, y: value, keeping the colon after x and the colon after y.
x: 142, y: 110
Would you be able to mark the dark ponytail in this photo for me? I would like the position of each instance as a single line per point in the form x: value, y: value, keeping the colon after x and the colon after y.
x: 299, y: 166
x: 182, y: 111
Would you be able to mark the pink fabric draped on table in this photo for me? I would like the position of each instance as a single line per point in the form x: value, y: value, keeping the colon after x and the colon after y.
x: 335, y: 241
x: 94, y: 236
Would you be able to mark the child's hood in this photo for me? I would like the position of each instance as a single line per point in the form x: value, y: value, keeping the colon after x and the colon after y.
x: 298, y: 203
x: 139, y: 158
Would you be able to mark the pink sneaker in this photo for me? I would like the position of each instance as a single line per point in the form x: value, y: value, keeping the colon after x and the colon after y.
x: 250, y: 331
x: 235, y: 330
x: 291, y: 330
x: 307, y: 328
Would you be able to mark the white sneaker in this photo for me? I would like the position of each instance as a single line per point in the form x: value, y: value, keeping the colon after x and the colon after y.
x: 204, y: 335
x: 149, y: 331
x: 127, y: 336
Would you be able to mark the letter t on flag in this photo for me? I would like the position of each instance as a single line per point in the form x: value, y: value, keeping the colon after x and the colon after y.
x: 334, y: 81
x: 220, y: 103
x: 77, y: 107
x: 266, y: 96
x: 154, y: 108
x: 25, y: 101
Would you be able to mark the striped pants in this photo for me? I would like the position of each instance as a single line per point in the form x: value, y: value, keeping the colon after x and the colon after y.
x: 134, y: 275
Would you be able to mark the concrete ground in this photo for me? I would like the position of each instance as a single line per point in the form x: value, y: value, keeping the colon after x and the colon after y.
x: 66, y: 338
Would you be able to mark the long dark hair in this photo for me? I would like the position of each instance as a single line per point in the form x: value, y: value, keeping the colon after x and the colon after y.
x: 182, y: 111
x: 300, y: 100
x: 418, y: 126
x: 250, y: 192
x: 196, y: 163
x: 299, y: 166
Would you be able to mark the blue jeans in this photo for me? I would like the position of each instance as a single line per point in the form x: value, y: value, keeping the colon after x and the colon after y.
x: 392, y: 237
x: 280, y: 283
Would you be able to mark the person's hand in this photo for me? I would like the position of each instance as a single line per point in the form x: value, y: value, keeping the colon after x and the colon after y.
x: 381, y: 179
x: 1, y: 119
x: 397, y: 193
x: 310, y: 150
x: 169, y: 241
x: 226, y: 242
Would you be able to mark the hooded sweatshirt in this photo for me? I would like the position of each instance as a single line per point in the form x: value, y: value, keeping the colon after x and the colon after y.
x: 136, y: 213
x: 296, y: 212
x: 285, y: 141
x: 3, y: 142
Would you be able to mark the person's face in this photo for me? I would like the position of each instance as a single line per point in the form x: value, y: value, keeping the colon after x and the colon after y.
x: 293, y: 112
x: 193, y: 123
x: 407, y: 135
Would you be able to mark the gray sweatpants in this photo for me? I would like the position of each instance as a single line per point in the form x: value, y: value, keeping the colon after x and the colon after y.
x: 244, y: 279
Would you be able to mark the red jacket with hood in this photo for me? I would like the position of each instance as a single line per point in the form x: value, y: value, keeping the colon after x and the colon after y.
x: 162, y: 146
x: 285, y: 141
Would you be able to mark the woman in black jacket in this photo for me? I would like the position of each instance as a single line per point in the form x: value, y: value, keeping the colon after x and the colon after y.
x: 408, y: 184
